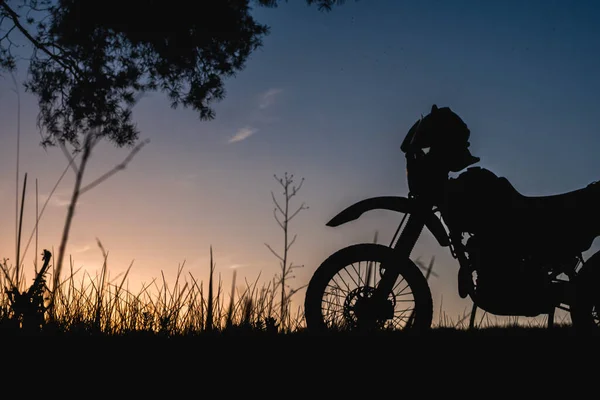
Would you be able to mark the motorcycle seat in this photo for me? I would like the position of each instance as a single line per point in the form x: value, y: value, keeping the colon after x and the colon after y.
x: 563, y: 202
x: 571, y: 202
x: 559, y: 219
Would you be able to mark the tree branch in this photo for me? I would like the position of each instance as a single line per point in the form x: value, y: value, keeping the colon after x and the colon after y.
x: 291, y: 242
x: 302, y: 207
x: 296, y: 189
x: 277, y: 204
x: 274, y: 253
x: 277, y: 219
x: 8, y: 32
x: 68, y: 156
x: 15, y: 19
x: 292, y: 266
x: 117, y: 168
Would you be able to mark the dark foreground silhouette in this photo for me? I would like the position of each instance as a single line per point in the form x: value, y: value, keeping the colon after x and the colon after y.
x: 9, y: 330
x: 518, y: 255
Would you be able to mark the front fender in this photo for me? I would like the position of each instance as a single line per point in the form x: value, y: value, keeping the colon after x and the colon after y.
x: 392, y: 203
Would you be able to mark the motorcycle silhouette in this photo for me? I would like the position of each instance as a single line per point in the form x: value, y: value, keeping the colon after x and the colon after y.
x: 518, y: 255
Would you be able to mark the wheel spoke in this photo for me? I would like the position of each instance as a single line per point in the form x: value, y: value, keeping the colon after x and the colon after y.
x: 341, y: 294
x: 347, y: 303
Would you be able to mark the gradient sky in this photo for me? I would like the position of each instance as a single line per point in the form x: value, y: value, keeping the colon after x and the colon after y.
x: 329, y: 97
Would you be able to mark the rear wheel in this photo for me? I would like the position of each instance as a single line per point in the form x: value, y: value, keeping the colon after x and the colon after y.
x: 585, y: 313
x: 339, y: 296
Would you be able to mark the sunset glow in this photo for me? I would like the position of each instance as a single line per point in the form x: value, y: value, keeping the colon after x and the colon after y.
x: 328, y: 98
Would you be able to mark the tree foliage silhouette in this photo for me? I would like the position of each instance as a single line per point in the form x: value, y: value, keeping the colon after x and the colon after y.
x: 93, y: 59
x: 323, y: 5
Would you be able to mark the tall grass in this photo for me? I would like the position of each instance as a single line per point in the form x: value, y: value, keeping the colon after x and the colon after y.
x: 96, y: 304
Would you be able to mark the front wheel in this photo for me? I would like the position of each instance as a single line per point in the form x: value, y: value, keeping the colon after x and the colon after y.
x: 338, y: 297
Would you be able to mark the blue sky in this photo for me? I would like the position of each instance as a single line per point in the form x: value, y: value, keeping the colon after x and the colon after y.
x: 329, y: 97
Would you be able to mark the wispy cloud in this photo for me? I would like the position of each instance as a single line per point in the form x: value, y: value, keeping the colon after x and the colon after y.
x: 265, y: 100
x: 187, y: 181
x: 57, y: 200
x: 243, y: 134
x: 268, y: 98
x: 82, y: 249
x: 237, y: 266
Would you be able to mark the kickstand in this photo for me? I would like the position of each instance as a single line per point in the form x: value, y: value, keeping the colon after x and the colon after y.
x: 551, y: 319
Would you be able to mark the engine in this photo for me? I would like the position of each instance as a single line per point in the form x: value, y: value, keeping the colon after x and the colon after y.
x: 505, y: 276
x: 491, y: 256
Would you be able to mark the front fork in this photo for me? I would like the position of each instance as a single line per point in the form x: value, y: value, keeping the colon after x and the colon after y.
x: 402, y: 250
